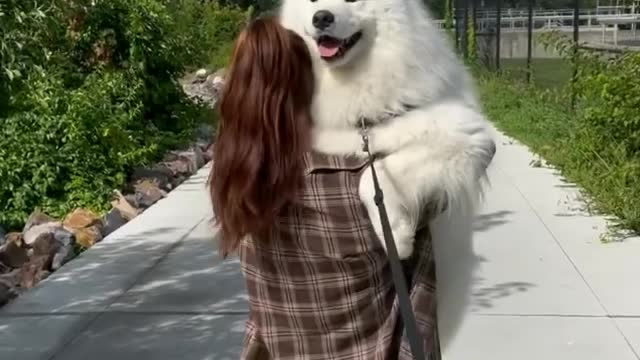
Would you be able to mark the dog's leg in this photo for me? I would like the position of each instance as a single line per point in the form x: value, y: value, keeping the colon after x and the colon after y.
x: 403, y: 226
x: 450, y: 143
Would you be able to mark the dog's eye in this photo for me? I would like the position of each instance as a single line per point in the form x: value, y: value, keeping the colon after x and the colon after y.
x: 350, y: 0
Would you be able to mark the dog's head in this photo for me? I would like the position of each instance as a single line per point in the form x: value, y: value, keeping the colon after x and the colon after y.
x: 338, y: 29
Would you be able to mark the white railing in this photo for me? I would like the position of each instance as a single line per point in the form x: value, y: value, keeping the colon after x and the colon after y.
x: 518, y: 19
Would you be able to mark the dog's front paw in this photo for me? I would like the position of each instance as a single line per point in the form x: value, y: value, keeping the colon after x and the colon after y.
x: 405, y: 247
x: 404, y: 236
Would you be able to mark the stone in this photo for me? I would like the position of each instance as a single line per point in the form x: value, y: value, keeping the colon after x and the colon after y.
x: 208, y: 152
x: 201, y: 74
x: 199, y: 156
x: 65, y: 237
x: 88, y: 237
x: 34, y: 271
x: 179, y: 179
x: 3, y: 236
x: 85, y: 226
x: 14, y: 237
x: 204, y: 90
x: 112, y: 222
x: 124, y: 207
x: 217, y: 78
x: 62, y: 256
x: 204, y: 133
x: 39, y: 266
x: 66, y: 251
x: 179, y: 166
x: 134, y: 200
x: 187, y: 161
x: 148, y: 193
x: 30, y: 236
x: 12, y: 255
x: 7, y: 291
x: 80, y: 219
x: 46, y: 246
x: 37, y: 218
x: 160, y: 174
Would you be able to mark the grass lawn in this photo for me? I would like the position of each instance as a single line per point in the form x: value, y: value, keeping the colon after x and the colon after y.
x: 543, y: 121
x: 547, y: 73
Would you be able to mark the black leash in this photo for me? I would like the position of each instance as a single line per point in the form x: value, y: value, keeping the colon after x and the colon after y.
x: 406, y: 310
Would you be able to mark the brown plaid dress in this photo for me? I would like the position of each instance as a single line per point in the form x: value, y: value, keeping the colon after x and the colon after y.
x: 323, y: 288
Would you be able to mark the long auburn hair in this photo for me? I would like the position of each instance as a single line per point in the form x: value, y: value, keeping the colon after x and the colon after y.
x: 263, y: 133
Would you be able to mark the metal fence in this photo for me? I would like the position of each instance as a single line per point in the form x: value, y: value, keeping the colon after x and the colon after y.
x: 506, y: 35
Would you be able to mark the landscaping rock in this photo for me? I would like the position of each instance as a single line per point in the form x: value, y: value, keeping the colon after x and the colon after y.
x: 38, y: 267
x: 62, y: 256
x: 196, y: 155
x: 180, y: 166
x: 159, y: 174
x: 133, y: 200
x: 65, y: 237
x: 8, y: 287
x: 201, y: 75
x: 217, y: 79
x: 186, y: 162
x: 3, y: 236
x: 37, y: 218
x: 14, y: 237
x: 33, y: 272
x: 12, y: 255
x: 85, y: 226
x: 80, y: 219
x: 6, y: 294
x: 204, y: 134
x: 112, y: 221
x: 208, y: 153
x: 46, y: 246
x: 66, y: 251
x: 124, y: 207
x: 88, y: 237
x: 204, y: 89
x: 30, y: 236
x: 148, y: 193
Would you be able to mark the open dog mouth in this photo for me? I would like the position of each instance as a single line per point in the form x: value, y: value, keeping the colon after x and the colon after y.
x: 333, y: 48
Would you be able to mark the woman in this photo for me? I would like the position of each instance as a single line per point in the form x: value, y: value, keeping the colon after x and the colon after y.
x: 318, y: 278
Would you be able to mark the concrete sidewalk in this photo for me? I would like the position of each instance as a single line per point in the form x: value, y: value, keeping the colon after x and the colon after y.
x: 545, y: 287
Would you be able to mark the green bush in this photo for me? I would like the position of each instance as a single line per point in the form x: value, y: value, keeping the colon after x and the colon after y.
x: 88, y: 92
x: 209, y: 30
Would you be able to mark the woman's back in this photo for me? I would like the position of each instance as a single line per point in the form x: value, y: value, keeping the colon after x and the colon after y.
x: 321, y: 287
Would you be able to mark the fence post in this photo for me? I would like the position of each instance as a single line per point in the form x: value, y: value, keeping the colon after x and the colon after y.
x: 529, y: 40
x: 576, y: 38
x: 456, y: 14
x: 475, y: 28
x: 498, y: 31
x: 465, y: 30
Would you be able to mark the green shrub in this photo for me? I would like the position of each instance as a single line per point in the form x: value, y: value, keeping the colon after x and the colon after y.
x: 208, y: 30
x: 89, y: 92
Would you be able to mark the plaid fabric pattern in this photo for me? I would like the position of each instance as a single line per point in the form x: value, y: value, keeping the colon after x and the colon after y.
x: 323, y: 288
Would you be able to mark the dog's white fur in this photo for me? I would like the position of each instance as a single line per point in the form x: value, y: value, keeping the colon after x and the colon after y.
x: 438, y: 151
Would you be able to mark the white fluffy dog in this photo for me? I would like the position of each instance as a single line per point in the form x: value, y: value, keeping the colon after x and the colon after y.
x: 384, y: 61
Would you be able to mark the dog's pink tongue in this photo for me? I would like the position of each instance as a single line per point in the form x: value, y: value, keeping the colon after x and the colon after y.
x: 328, y: 48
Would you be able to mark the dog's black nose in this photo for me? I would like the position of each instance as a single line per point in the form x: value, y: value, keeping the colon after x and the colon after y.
x: 322, y: 19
